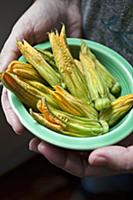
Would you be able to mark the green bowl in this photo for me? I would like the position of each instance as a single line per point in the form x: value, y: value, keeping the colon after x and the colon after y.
x: 119, y: 67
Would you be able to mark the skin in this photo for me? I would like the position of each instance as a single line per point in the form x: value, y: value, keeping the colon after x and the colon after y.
x: 40, y: 18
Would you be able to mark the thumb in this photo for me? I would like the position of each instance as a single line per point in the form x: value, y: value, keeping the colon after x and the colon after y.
x: 9, y: 51
x: 115, y: 157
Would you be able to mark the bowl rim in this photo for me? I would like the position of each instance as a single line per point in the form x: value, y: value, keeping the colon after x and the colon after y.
x: 71, y: 142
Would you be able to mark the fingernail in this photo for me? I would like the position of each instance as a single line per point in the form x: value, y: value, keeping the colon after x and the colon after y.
x: 99, y: 160
x: 33, y: 145
x: 2, y: 68
x: 41, y: 146
x: 31, y: 148
x: 3, y: 63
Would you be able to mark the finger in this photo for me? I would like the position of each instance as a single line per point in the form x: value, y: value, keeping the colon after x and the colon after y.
x: 33, y: 144
x: 116, y: 157
x: 71, y: 161
x: 11, y: 117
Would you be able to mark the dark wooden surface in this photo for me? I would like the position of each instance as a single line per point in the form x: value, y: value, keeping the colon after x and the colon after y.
x: 37, y: 179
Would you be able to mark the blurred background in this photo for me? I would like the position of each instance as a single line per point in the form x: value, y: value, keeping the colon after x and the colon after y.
x: 23, y: 174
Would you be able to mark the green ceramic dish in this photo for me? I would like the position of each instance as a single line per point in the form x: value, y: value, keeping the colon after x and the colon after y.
x: 120, y: 68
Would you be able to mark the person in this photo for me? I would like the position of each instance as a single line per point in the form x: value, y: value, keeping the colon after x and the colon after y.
x: 108, y: 22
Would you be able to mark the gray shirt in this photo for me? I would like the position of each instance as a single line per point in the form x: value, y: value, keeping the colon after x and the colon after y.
x: 110, y: 22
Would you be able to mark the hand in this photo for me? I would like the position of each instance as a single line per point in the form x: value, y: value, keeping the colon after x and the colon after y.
x: 104, y: 161
x: 40, y: 18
